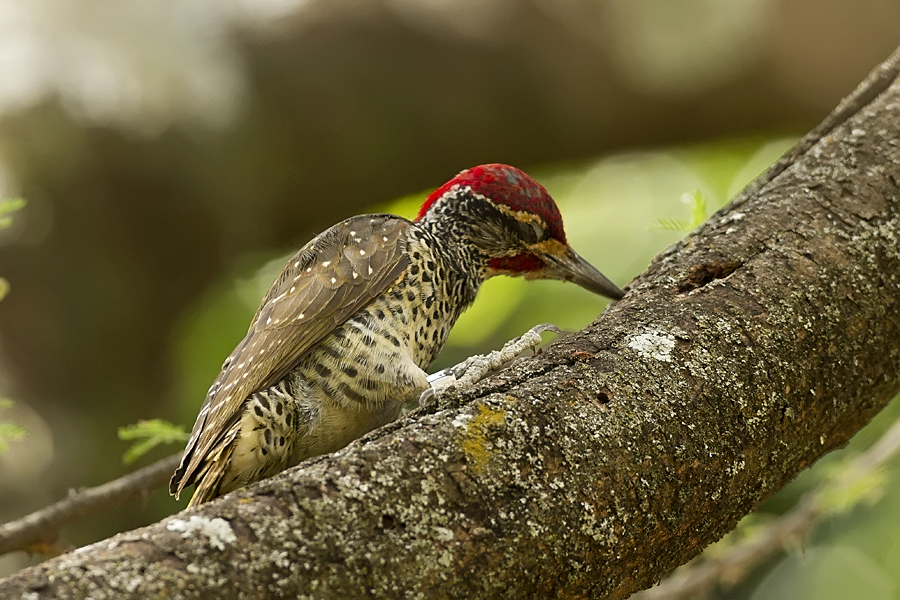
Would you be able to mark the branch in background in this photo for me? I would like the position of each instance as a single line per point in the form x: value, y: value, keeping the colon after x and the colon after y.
x: 697, y: 579
x: 39, y: 531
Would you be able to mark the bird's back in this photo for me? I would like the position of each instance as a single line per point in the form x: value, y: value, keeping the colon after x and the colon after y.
x: 354, y: 379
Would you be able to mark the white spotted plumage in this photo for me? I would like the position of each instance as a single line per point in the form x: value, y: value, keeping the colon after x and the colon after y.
x: 342, y: 338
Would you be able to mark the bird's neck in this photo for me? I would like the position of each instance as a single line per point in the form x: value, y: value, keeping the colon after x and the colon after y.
x: 449, y: 242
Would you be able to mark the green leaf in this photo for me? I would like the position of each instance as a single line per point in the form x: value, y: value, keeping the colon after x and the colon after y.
x: 7, y: 207
x: 148, y: 435
x: 672, y: 225
x: 9, y: 432
x: 696, y: 203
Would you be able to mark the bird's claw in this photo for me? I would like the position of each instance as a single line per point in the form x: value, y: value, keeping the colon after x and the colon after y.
x: 475, y: 368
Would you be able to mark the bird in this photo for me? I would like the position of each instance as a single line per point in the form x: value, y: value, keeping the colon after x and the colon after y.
x: 341, y: 340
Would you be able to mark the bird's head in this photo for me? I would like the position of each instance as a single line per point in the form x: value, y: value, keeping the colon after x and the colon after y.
x: 515, y: 225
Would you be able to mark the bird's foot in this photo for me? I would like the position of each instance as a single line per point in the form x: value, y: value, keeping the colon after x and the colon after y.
x: 476, y: 368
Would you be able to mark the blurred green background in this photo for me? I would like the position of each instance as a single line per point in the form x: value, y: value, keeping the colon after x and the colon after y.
x: 173, y: 152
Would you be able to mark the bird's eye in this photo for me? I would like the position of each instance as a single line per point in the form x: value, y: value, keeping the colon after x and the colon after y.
x: 531, y: 232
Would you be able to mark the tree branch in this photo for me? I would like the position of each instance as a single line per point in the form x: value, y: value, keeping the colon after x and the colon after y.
x: 741, y: 355
x: 696, y: 581
x: 39, y: 531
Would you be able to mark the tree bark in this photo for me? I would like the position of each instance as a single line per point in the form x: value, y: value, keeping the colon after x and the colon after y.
x: 764, y: 339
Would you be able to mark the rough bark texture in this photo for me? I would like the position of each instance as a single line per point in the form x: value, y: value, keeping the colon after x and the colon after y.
x: 763, y: 340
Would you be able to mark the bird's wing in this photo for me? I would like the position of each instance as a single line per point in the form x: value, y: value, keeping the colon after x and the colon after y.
x: 328, y: 280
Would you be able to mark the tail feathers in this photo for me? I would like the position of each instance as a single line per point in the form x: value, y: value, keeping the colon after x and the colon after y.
x: 175, y: 485
x: 211, y: 477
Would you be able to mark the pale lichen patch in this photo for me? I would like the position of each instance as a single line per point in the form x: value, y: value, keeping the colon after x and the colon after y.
x: 653, y: 344
x: 217, y: 530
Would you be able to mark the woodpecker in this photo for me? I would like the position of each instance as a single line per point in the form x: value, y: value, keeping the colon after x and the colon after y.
x: 341, y: 340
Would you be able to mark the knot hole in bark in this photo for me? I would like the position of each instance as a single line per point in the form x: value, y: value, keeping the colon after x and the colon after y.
x: 707, y: 272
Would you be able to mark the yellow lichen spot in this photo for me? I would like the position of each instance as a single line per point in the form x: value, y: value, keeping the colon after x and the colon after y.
x: 474, y: 439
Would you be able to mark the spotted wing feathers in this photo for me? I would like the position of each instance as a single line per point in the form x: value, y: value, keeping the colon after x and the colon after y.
x: 330, y: 279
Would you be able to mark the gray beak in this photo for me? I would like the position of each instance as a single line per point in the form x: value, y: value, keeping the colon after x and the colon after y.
x: 571, y: 267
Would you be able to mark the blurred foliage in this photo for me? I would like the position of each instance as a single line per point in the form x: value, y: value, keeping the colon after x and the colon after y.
x: 7, y: 207
x: 149, y: 434
x: 845, y: 489
x: 9, y: 432
x: 696, y: 204
x: 826, y: 572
